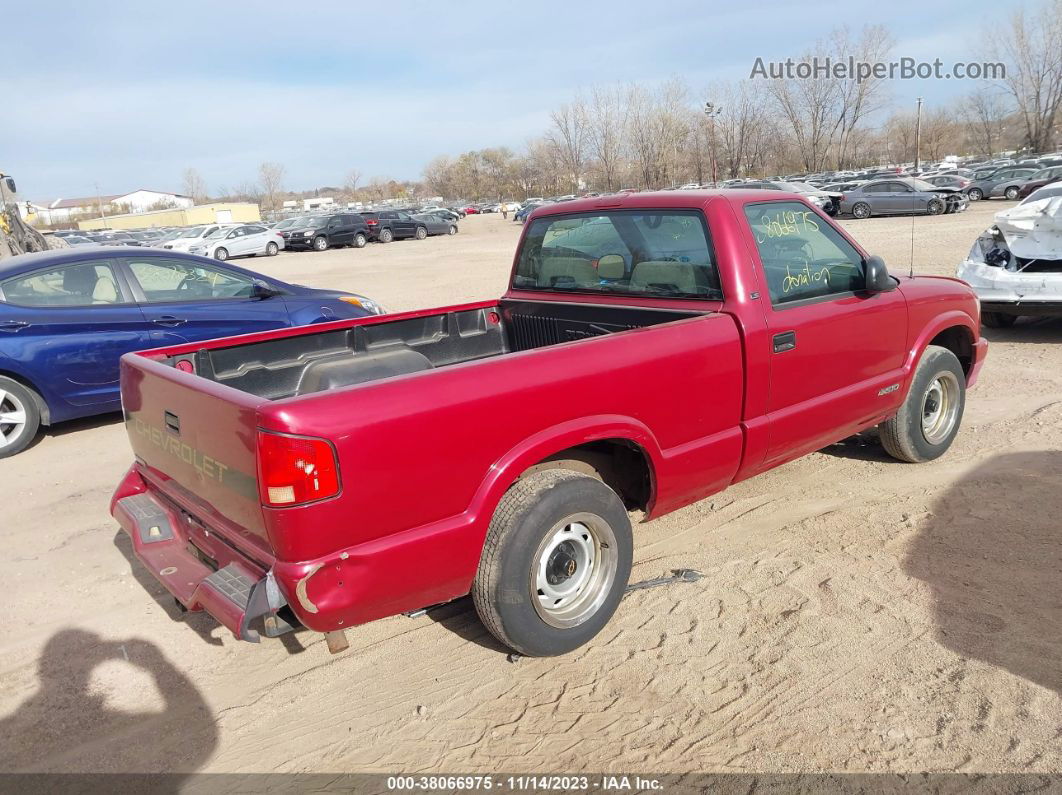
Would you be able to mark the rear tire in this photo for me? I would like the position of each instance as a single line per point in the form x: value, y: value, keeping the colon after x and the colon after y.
x: 861, y: 210
x: 975, y: 194
x: 929, y: 419
x: 997, y: 320
x: 386, y: 236
x: 360, y: 240
x: 20, y: 417
x: 421, y: 233
x: 272, y: 249
x: 1011, y: 193
x: 452, y: 230
x: 555, y: 563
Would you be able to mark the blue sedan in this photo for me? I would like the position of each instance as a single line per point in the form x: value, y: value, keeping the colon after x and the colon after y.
x: 67, y: 316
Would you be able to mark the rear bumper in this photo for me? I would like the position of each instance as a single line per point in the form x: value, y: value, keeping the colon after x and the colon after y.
x: 233, y: 590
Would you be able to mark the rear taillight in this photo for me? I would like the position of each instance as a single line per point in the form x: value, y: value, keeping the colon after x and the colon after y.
x: 293, y: 470
x: 371, y: 222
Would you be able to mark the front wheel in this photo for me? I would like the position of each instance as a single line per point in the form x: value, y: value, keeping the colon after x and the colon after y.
x: 929, y: 419
x: 20, y: 417
x: 360, y: 240
x: 555, y: 563
x: 272, y: 249
x: 861, y: 210
x: 320, y: 243
x: 935, y: 207
x: 221, y: 254
x: 421, y: 233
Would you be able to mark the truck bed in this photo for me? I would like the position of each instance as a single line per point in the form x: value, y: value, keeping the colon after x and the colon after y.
x: 319, y: 361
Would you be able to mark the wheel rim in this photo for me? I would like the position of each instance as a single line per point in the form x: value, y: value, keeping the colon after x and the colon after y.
x: 359, y: 241
x: 1012, y: 193
x: 221, y: 254
x: 421, y: 233
x: 861, y: 211
x: 975, y: 195
x: 320, y: 244
x: 573, y: 570
x: 271, y: 249
x: 940, y: 408
x: 12, y: 418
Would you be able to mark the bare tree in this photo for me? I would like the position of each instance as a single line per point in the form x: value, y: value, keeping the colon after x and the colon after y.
x: 569, y: 137
x: 352, y: 181
x: 271, y: 175
x: 606, y: 119
x: 984, y: 112
x: 858, y: 99
x: 1034, y: 71
x: 194, y: 186
x: 809, y: 106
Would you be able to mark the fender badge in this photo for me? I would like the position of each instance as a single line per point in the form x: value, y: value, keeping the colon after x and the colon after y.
x: 888, y: 389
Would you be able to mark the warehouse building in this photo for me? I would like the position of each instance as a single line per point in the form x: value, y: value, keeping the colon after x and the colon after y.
x: 218, y: 213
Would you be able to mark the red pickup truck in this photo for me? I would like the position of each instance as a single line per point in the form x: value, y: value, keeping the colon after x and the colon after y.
x: 651, y: 350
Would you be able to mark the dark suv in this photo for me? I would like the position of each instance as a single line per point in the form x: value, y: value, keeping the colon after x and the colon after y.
x: 325, y: 231
x: 388, y: 225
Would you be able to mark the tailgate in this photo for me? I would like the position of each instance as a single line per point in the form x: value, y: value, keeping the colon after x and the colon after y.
x: 195, y: 441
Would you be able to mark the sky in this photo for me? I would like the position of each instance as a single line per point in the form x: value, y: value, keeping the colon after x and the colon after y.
x: 124, y: 95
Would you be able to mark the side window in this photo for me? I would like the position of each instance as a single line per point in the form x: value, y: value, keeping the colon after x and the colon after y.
x: 254, y: 230
x: 877, y: 188
x: 79, y: 284
x: 166, y: 281
x: 802, y: 255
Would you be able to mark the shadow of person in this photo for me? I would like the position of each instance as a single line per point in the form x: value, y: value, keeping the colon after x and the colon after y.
x: 992, y: 553
x: 69, y: 726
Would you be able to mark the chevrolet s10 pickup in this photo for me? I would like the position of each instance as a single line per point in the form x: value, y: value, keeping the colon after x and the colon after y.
x: 651, y: 350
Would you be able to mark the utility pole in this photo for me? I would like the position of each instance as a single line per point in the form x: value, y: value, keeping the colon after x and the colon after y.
x: 918, y: 133
x: 99, y: 202
x: 711, y: 111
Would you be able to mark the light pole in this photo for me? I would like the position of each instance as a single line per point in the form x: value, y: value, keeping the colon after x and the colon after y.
x: 711, y: 111
x: 918, y: 132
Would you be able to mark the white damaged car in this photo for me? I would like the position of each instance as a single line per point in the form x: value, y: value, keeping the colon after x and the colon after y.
x: 1015, y: 266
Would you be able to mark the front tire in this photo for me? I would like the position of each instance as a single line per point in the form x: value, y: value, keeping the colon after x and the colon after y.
x: 221, y: 254
x: 20, y: 417
x: 997, y: 320
x: 861, y: 210
x: 935, y: 207
x: 929, y: 419
x: 555, y: 563
x: 320, y: 243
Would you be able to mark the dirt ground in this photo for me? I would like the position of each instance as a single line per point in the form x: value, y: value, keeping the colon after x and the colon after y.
x: 856, y: 614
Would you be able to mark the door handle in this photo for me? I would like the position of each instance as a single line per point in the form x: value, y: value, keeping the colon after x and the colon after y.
x: 785, y: 341
x: 169, y: 321
x: 12, y: 325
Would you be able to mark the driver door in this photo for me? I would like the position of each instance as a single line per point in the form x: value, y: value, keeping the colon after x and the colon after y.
x: 185, y: 301
x: 836, y: 352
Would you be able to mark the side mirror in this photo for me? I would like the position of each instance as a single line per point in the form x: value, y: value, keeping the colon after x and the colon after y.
x: 878, y: 279
x: 10, y: 184
x: 260, y: 291
x: 611, y: 266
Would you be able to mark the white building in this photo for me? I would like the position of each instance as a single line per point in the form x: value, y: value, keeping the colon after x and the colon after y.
x: 63, y: 211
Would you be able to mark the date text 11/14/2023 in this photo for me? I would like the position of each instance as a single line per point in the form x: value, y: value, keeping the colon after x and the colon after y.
x: 524, y: 783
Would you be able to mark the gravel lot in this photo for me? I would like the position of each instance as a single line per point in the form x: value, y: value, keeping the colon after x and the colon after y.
x: 856, y: 613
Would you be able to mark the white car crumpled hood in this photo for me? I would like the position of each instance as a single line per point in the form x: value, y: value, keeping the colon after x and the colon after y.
x: 1030, y: 231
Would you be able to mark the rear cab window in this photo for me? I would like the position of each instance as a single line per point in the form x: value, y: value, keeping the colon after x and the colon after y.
x: 632, y: 252
x: 803, y: 257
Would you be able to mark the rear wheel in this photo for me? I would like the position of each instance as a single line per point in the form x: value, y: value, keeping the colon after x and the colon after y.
x: 221, y: 254
x: 997, y: 320
x: 929, y: 419
x: 320, y: 243
x: 452, y: 230
x: 421, y: 233
x: 861, y: 210
x: 386, y: 236
x: 555, y: 563
x: 20, y: 417
x: 360, y: 240
x: 975, y: 194
x: 1011, y: 193
x: 272, y: 249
